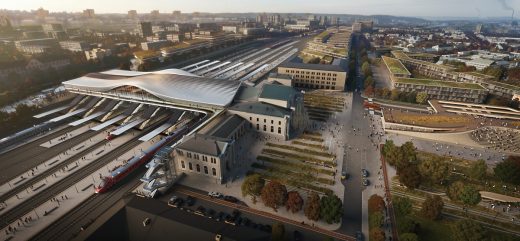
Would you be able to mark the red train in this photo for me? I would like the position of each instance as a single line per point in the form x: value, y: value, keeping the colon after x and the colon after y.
x: 138, y: 160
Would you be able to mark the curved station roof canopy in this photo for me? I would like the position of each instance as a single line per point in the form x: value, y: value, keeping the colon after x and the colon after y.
x: 170, y: 85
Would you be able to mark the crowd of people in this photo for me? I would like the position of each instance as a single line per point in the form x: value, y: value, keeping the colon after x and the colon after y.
x: 498, y: 138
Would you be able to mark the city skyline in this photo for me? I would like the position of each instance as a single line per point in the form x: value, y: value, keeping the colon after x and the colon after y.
x: 419, y: 8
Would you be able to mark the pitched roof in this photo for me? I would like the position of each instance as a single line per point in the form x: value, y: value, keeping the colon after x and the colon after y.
x: 277, y: 92
x: 261, y: 109
x: 204, y: 144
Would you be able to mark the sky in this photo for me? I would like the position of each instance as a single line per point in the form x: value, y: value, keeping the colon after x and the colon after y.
x: 420, y: 8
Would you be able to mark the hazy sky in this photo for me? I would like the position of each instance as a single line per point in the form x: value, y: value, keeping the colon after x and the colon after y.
x: 452, y: 8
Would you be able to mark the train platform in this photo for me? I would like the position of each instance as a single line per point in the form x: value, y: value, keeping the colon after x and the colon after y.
x: 50, y: 112
x: 52, y: 210
x: 88, y: 118
x: 67, y: 136
x: 68, y: 170
x: 128, y: 126
x: 62, y: 117
x: 108, y: 122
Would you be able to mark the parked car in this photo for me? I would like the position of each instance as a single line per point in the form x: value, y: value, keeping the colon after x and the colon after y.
x: 177, y: 202
x: 211, y: 213
x: 364, y: 172
x: 366, y: 182
x: 344, y: 175
x: 231, y: 199
x: 201, y: 211
x: 220, y: 216
x: 215, y: 194
x: 190, y: 201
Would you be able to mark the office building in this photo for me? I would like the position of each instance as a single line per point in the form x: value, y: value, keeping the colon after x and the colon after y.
x: 155, y: 45
x: 316, y: 76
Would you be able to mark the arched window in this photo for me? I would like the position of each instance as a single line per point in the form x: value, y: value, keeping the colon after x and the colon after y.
x: 214, y: 171
x: 206, y: 169
x: 279, y: 130
x: 198, y: 167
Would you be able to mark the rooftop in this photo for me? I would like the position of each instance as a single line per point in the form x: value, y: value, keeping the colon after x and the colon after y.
x: 260, y: 108
x: 277, y: 92
x: 169, y: 85
x: 440, y: 83
x: 395, y: 66
x: 225, y: 128
x: 325, y: 67
x: 204, y: 144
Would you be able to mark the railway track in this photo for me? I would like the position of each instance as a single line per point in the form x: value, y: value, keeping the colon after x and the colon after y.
x: 28, y: 205
x: 49, y: 172
x: 31, y: 151
x: 66, y: 228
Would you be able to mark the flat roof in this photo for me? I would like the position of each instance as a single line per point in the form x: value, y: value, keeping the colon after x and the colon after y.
x: 395, y: 66
x: 277, y: 92
x: 440, y: 83
x: 260, y: 108
x: 324, y: 67
x: 169, y: 85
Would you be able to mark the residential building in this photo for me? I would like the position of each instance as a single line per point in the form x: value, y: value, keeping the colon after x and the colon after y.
x: 132, y: 14
x: 443, y: 90
x: 480, y: 63
x: 75, y: 46
x: 155, y: 45
x: 316, y: 76
x: 36, y: 46
x: 89, y: 13
x: 97, y: 54
x: 232, y: 29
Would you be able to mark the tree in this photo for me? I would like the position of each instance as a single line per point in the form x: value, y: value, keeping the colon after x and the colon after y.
x: 402, y: 206
x: 376, y: 204
x: 365, y: 67
x: 394, y: 94
x: 369, y: 90
x: 278, y: 232
x: 406, y: 156
x: 376, y: 219
x: 470, y: 195
x: 369, y: 81
x: 421, y: 97
x: 454, y: 190
x: 410, y: 177
x: 435, y: 169
x: 432, y: 207
x: 408, y: 237
x: 331, y: 208
x: 509, y: 170
x: 253, y: 185
x: 294, y: 201
x: 312, y: 207
x: 478, y: 170
x: 377, y: 234
x: 274, y: 195
x: 467, y: 230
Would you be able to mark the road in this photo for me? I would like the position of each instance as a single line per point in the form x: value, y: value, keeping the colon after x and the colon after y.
x: 309, y: 232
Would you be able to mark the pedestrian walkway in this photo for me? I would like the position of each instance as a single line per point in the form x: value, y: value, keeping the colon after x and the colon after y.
x: 44, y: 215
x: 66, y: 171
x: 65, y: 137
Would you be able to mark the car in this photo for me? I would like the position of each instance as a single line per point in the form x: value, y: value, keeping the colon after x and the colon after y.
x: 177, y: 203
x: 359, y: 236
x: 229, y: 220
x: 235, y: 213
x: 366, y: 182
x: 190, y: 201
x: 344, y: 175
x: 201, y: 211
x: 211, y: 213
x: 231, y: 199
x: 364, y: 172
x: 246, y: 222
x: 215, y: 194
x: 220, y: 216
x: 297, y: 236
x: 173, y: 200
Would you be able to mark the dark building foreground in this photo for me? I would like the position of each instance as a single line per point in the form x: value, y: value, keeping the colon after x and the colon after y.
x: 167, y: 223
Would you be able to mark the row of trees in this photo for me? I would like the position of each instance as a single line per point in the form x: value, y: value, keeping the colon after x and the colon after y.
x: 396, y: 95
x: 273, y: 194
x: 413, y: 172
x: 376, y: 217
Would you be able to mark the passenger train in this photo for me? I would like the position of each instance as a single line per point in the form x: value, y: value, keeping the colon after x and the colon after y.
x: 138, y: 160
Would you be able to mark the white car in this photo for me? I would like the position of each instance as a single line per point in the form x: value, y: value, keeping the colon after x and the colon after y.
x: 215, y: 194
